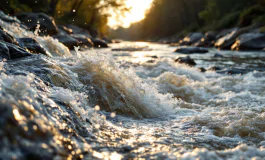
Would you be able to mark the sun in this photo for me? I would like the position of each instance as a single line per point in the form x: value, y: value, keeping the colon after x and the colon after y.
x: 136, y: 14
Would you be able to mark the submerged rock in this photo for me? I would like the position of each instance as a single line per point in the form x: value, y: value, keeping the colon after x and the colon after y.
x: 250, y: 41
x: 33, y: 46
x: 32, y: 20
x: 191, y: 50
x: 186, y: 60
x: 11, y: 51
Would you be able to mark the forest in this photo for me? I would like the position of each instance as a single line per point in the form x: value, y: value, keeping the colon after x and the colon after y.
x: 179, y: 17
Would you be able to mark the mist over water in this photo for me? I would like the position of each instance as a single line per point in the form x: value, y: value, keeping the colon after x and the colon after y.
x: 122, y: 104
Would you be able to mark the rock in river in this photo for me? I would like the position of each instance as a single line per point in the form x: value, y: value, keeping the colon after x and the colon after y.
x: 207, y: 41
x: 4, y: 36
x: 67, y: 40
x: 11, y: 51
x: 250, y: 41
x: 191, y: 50
x: 32, y: 20
x: 191, y: 38
x: 98, y: 43
x: 186, y: 60
x: 33, y: 46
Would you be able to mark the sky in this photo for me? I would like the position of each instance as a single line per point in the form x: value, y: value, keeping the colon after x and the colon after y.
x: 137, y: 13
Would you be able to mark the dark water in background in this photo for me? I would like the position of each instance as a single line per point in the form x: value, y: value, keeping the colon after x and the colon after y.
x: 104, y: 104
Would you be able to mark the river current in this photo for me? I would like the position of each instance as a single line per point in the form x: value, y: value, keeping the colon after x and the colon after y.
x: 131, y: 101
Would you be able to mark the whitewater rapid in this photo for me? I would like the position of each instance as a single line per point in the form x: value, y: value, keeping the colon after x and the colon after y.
x: 104, y: 104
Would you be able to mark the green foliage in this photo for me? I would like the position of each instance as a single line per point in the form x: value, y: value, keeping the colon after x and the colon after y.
x: 249, y: 14
x: 211, y: 13
x: 227, y: 21
x: 262, y: 29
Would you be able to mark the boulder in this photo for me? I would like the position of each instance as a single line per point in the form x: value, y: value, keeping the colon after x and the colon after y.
x: 191, y: 38
x: 191, y: 50
x: 7, y: 18
x: 227, y: 41
x: 98, y: 43
x: 32, y: 20
x: 250, y: 41
x: 67, y: 40
x: 77, y: 30
x: 65, y: 29
x: 4, y: 36
x: 33, y: 46
x: 207, y: 41
x: 83, y: 40
x: 10, y: 51
x: 186, y: 60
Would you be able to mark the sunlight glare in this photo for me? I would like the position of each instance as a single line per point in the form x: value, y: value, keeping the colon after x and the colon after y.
x: 136, y: 14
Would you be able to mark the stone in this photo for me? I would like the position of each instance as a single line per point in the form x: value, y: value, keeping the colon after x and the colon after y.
x: 207, y: 41
x: 33, y: 46
x: 226, y: 41
x: 98, y: 43
x: 4, y: 36
x: 186, y: 60
x: 191, y: 50
x: 250, y: 41
x: 191, y: 38
x: 10, y: 51
x: 83, y: 40
x: 67, y: 40
x: 32, y: 20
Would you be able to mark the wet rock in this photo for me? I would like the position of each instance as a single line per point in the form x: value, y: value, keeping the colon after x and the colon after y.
x: 11, y: 51
x: 33, y: 46
x: 217, y: 55
x: 186, y: 60
x: 233, y: 71
x: 32, y: 20
x: 226, y: 41
x: 65, y: 29
x: 77, y: 30
x: 4, y: 36
x: 83, y: 40
x: 214, y: 68
x: 8, y: 19
x: 191, y: 38
x: 67, y: 40
x: 207, y: 41
x: 250, y: 41
x: 191, y: 50
x: 202, y: 70
x: 98, y: 43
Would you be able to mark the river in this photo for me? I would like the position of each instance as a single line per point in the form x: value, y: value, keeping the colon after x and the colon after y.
x: 131, y: 101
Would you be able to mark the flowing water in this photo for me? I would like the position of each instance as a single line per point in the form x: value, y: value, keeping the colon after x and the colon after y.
x: 129, y: 103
